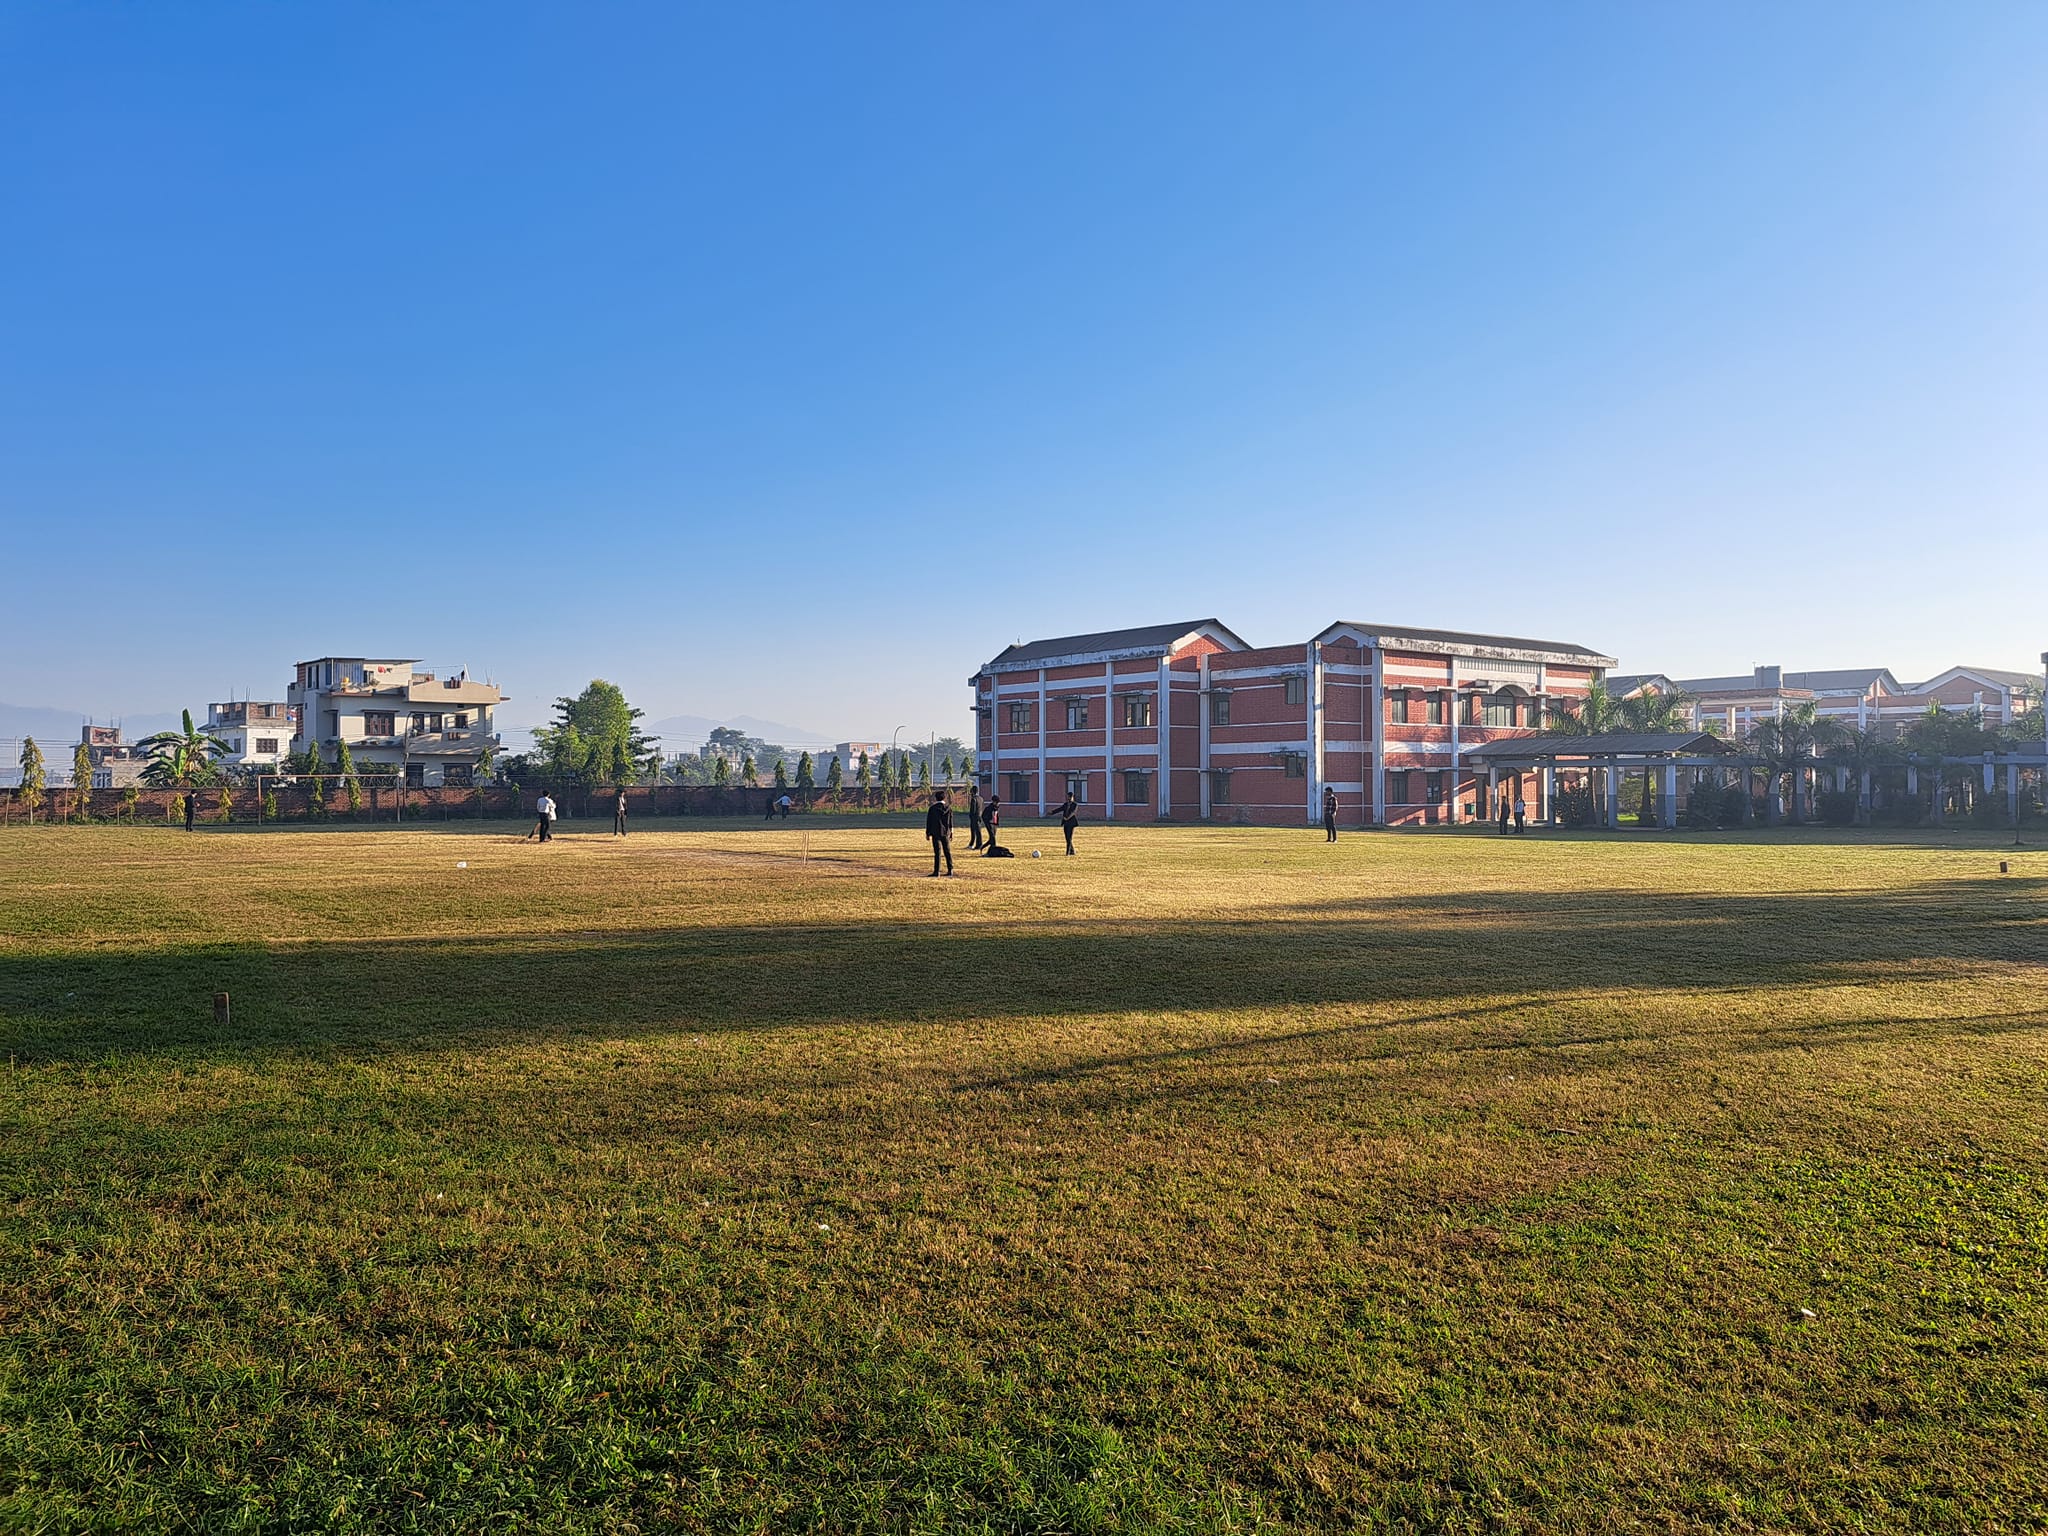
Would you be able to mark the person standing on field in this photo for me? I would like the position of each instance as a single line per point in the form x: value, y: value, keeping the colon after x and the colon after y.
x: 191, y: 800
x: 1070, y: 818
x: 1518, y: 816
x: 619, y: 816
x: 1329, y: 815
x: 1504, y: 814
x: 991, y: 820
x: 545, y: 806
x: 938, y: 828
x: 974, y: 816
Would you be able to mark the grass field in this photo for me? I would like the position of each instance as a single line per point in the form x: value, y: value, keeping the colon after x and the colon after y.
x: 1214, y: 1180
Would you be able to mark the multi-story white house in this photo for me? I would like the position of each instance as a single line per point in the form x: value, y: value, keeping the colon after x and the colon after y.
x: 395, y: 718
x: 257, y: 735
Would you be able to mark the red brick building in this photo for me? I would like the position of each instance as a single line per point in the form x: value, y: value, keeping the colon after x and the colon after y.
x: 1186, y: 721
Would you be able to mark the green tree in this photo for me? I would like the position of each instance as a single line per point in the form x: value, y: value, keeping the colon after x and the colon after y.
x: 182, y: 760
x: 902, y: 774
x: 1860, y: 753
x: 224, y: 803
x: 1652, y: 714
x: 806, y: 780
x: 595, y: 739
x: 1787, y: 743
x: 81, y: 781
x: 721, y: 772
x: 269, y: 810
x: 863, y: 776
x: 749, y: 774
x: 33, y: 778
x: 835, y: 776
x: 924, y: 775
x: 131, y: 801
x: 345, y: 765
x: 781, y: 774
x: 946, y: 769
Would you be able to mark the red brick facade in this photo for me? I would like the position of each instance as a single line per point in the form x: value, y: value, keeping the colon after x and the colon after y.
x: 1380, y: 716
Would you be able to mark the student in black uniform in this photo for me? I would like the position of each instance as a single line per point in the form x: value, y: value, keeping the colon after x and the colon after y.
x: 1070, y: 818
x: 974, y: 816
x: 938, y: 828
x: 991, y: 820
x: 1504, y: 815
x: 1329, y: 815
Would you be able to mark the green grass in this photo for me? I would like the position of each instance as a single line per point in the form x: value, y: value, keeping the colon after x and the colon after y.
x: 1215, y: 1180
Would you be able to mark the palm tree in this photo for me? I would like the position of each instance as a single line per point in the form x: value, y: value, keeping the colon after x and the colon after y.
x: 1787, y: 743
x: 1857, y: 752
x: 1652, y: 714
x: 1593, y: 714
x: 184, y: 759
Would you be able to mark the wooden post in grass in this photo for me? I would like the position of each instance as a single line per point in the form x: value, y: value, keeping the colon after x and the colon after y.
x: 220, y: 1008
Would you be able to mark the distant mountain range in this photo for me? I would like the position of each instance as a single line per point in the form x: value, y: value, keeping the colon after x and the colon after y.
x: 687, y: 733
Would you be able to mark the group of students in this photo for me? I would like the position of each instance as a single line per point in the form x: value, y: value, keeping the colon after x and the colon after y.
x: 983, y: 817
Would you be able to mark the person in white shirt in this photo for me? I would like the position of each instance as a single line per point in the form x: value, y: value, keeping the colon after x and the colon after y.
x: 545, y: 806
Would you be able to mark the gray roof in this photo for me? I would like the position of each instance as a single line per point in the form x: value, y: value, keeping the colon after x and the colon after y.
x: 1995, y: 674
x: 1850, y: 679
x: 1622, y: 684
x: 1468, y: 637
x: 1602, y: 744
x: 1152, y: 638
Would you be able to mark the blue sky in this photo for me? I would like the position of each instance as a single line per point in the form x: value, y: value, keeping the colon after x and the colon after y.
x: 789, y: 360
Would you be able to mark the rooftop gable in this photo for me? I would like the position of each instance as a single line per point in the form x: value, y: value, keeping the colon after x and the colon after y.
x: 1112, y: 645
x: 1996, y: 677
x: 1458, y: 642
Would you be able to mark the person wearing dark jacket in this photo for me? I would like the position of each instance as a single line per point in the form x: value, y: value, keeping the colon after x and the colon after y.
x: 1329, y: 815
x: 974, y: 816
x: 1070, y: 818
x: 938, y: 828
x: 991, y: 819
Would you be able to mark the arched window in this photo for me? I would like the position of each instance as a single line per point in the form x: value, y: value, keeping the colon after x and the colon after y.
x: 1500, y: 708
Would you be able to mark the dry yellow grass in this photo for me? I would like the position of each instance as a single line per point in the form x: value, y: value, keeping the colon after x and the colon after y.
x: 1215, y: 1179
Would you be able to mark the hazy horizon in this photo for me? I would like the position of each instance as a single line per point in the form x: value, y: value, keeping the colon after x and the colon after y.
x: 791, y: 363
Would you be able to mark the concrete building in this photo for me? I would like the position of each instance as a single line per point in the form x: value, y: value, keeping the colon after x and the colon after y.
x: 258, y: 736
x: 1186, y: 721
x: 115, y: 764
x: 395, y: 718
x: 1863, y: 698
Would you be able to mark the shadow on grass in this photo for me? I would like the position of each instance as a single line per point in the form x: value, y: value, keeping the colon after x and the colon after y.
x: 1480, y: 952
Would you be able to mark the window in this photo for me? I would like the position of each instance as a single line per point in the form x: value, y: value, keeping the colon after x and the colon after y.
x: 1137, y: 787
x: 1020, y: 787
x: 1297, y: 688
x: 1436, y: 708
x: 1077, y: 714
x: 1137, y: 709
x: 1398, y: 787
x: 1436, y: 788
x: 1500, y: 708
x: 461, y: 722
x: 1219, y: 786
x: 1397, y: 706
x: 1297, y: 765
x: 266, y: 746
x: 1077, y: 785
x: 1219, y: 708
x: 1535, y: 715
x: 234, y: 744
x: 415, y: 775
x: 419, y: 722
x: 379, y: 722
x: 457, y: 776
x: 1020, y: 719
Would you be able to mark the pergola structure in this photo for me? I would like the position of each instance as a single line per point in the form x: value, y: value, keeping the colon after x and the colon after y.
x: 1607, y: 755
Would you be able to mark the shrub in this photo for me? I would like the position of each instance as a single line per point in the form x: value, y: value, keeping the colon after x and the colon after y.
x: 1573, y: 807
x: 1837, y: 807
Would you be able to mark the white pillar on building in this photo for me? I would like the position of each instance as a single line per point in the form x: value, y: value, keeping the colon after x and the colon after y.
x: 1670, y: 806
x: 1546, y: 791
x: 1109, y: 741
x: 1202, y: 732
x: 1374, y: 759
x: 1315, y: 731
x: 1162, y: 715
x: 1611, y: 778
x: 1041, y: 741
